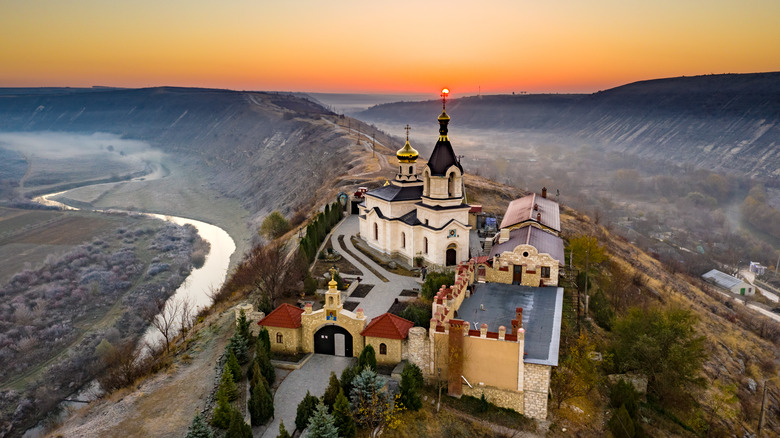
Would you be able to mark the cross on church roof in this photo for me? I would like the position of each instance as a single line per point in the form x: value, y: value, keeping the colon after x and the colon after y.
x: 444, y: 94
x: 333, y: 273
x: 408, y: 128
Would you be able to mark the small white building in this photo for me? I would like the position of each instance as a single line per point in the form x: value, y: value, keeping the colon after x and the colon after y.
x: 726, y: 281
x: 757, y: 268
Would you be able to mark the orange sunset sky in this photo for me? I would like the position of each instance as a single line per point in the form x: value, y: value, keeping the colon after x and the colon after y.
x: 371, y: 46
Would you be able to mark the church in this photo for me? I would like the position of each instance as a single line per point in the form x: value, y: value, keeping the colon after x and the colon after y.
x: 421, y: 215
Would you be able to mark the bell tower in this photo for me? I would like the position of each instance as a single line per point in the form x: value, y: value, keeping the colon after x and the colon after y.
x: 407, y: 167
x: 333, y: 304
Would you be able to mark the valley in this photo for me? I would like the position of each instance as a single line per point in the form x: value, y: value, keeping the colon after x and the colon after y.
x: 230, y: 158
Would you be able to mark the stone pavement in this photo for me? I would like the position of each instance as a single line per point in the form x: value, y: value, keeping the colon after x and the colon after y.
x: 382, y: 296
x: 312, y: 377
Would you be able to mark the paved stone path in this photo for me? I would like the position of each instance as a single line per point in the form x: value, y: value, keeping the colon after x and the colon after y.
x: 382, y: 296
x: 312, y: 377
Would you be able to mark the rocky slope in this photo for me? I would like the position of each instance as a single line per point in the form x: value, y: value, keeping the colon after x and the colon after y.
x: 729, y: 122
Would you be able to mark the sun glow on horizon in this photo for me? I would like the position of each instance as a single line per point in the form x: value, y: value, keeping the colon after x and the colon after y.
x: 359, y: 46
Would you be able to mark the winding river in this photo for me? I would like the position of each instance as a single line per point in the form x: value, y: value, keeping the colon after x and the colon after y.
x: 196, y: 288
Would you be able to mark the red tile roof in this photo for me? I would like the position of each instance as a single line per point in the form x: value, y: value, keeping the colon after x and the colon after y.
x: 388, y: 326
x: 285, y: 316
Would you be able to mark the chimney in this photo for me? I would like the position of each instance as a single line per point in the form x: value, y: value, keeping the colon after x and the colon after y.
x: 538, y: 217
x: 517, y: 323
x: 359, y: 312
x: 544, y: 192
x: 504, y: 235
x: 455, y: 364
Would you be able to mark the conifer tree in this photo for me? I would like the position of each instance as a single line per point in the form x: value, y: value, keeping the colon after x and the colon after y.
x: 369, y: 399
x: 227, y: 386
x: 321, y: 424
x: 243, y: 326
x: 305, y: 411
x: 239, y: 346
x: 199, y: 428
x: 222, y: 412
x: 234, y: 366
x: 237, y: 427
x: 261, y: 405
x: 264, y: 341
x: 283, y: 431
x: 342, y: 417
x: 263, y: 360
x: 411, y: 382
x: 347, y: 376
x: 367, y: 358
x: 334, y: 386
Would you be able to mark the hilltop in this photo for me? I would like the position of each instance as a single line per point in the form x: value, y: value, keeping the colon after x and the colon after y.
x: 727, y: 122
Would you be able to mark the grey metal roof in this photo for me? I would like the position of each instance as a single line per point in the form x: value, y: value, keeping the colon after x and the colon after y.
x: 393, y: 192
x: 522, y: 210
x: 541, y: 240
x: 542, y: 309
x: 410, y: 218
x: 722, y: 279
x: 442, y: 158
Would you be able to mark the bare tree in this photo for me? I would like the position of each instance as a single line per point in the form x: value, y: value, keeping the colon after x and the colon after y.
x: 165, y: 321
x: 276, y: 270
x: 185, y: 316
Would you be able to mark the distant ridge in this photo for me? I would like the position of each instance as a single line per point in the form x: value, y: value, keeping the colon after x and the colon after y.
x: 245, y: 144
x: 729, y: 121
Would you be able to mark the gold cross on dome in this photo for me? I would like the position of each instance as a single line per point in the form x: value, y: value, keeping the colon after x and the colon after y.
x: 408, y: 128
x: 333, y: 273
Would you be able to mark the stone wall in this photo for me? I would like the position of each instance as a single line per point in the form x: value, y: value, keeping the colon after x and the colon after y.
x: 291, y: 339
x: 500, y: 397
x: 394, y: 350
x: 419, y: 349
x: 537, y: 384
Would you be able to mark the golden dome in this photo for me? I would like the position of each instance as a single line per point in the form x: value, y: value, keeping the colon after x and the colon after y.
x: 407, y: 154
x: 443, y: 116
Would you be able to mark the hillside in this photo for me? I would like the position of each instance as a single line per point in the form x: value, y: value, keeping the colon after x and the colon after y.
x: 220, y: 143
x: 725, y: 122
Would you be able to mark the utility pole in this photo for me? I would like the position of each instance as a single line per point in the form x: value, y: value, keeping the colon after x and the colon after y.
x: 438, y: 403
x: 587, y: 285
x: 761, y: 413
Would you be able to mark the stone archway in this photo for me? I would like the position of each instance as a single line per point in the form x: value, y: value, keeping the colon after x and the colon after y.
x: 334, y: 340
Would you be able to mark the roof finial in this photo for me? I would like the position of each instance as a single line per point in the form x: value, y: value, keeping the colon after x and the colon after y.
x: 444, y: 94
x: 408, y: 128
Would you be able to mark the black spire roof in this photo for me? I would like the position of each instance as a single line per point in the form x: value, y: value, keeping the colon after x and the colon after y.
x: 443, y: 156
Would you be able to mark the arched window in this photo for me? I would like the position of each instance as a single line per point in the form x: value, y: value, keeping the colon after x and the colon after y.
x: 279, y: 338
x: 451, y: 185
x: 403, y: 239
x: 425, y: 245
x: 376, y: 232
x: 382, y: 348
x: 410, y: 170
